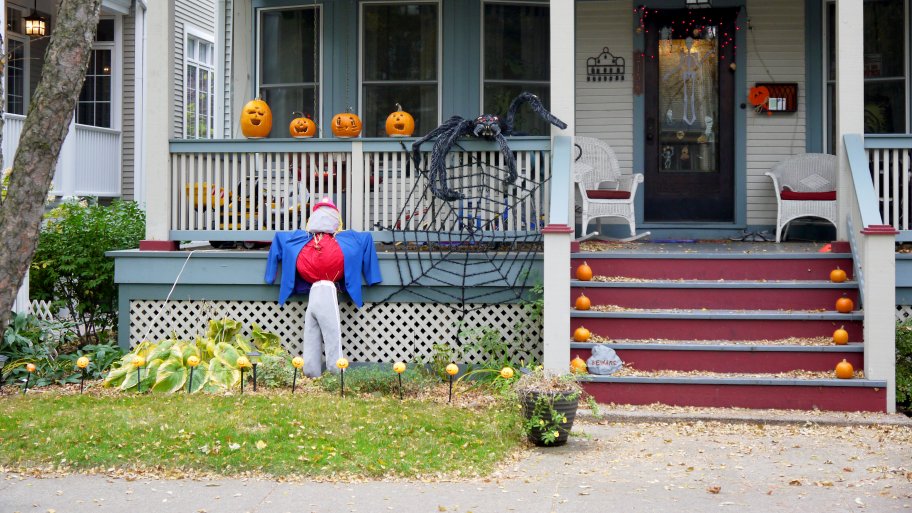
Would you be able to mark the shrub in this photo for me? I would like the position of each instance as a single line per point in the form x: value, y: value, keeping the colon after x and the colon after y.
x: 379, y: 379
x: 904, y: 363
x: 275, y: 371
x: 70, y: 266
x: 28, y: 339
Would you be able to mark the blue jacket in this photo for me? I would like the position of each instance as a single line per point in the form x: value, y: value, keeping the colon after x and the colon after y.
x: 357, y: 249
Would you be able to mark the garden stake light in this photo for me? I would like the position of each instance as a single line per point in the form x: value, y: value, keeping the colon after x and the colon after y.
x: 242, y: 363
x: 254, y: 357
x: 28, y: 377
x: 82, y: 362
x: 192, y: 361
x: 138, y: 362
x: 451, y: 369
x: 342, y: 364
x: 399, y: 368
x: 297, y: 362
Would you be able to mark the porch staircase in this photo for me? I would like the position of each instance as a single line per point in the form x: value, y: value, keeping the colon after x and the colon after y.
x: 718, y: 326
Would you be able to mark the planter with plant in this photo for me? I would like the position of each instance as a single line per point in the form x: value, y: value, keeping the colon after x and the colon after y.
x: 549, y: 403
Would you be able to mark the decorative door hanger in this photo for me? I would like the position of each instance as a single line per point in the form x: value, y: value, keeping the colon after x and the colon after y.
x: 605, y: 68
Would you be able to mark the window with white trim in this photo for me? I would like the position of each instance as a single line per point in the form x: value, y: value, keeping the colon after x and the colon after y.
x: 288, y: 72
x: 516, y: 55
x: 16, y: 75
x: 399, y: 64
x: 199, y: 88
x: 95, y: 106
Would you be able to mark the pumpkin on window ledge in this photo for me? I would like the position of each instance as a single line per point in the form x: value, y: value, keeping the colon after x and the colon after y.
x: 256, y: 119
x: 400, y: 123
x: 302, y: 127
x: 346, y: 124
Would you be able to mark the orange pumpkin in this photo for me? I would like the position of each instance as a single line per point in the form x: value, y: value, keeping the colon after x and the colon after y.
x: 581, y: 334
x: 578, y: 366
x: 82, y: 362
x: 346, y: 124
x: 297, y: 362
x: 837, y: 275
x: 584, y: 272
x: 452, y: 369
x: 302, y: 127
x: 844, y: 370
x: 844, y: 305
x: 256, y: 119
x: 30, y: 367
x: 400, y: 123
x: 841, y: 336
x: 342, y: 363
x: 583, y: 302
x: 507, y: 373
x: 758, y: 96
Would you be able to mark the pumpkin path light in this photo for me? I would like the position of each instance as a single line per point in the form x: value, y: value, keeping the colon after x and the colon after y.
x: 192, y: 361
x: 82, y: 362
x: 451, y: 369
x: 30, y: 367
x: 342, y: 364
x: 399, y: 368
x: 139, y: 362
x: 297, y: 363
x: 242, y: 362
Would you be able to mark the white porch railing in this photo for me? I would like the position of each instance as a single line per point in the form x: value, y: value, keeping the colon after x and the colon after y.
x: 890, y: 163
x: 873, y: 251
x: 89, y: 162
x: 247, y: 190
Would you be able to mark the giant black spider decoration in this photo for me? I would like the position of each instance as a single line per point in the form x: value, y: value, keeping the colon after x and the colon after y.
x: 486, y: 126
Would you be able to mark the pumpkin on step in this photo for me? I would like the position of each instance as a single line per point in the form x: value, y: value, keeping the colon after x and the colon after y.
x: 578, y: 366
x: 584, y: 272
x: 841, y: 336
x: 844, y: 305
x: 583, y: 302
x: 581, y: 334
x: 844, y: 370
x: 837, y: 275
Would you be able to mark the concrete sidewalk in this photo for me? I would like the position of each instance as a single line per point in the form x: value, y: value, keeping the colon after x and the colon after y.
x: 627, y: 467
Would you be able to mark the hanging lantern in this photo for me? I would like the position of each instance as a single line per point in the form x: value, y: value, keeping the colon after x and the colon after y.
x: 35, y: 24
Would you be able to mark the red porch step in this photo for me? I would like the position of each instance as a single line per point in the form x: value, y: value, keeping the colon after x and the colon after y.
x: 747, y: 358
x: 716, y: 324
x: 761, y: 393
x: 712, y: 267
x: 760, y: 295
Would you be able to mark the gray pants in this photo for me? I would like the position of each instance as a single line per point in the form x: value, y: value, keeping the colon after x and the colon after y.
x: 322, y: 329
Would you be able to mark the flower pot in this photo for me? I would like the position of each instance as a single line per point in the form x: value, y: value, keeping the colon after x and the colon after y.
x: 542, y: 403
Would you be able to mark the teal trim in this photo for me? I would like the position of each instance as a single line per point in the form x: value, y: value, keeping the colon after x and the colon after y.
x: 834, y: 383
x: 562, y: 160
x: 881, y: 141
x: 729, y: 348
x: 740, y: 126
x: 813, y: 76
x: 318, y: 145
x: 724, y: 315
x: 381, y: 236
x: 861, y: 176
x: 461, y: 76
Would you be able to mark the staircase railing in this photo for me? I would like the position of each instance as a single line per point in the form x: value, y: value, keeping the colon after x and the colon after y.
x: 557, y: 238
x: 873, y: 248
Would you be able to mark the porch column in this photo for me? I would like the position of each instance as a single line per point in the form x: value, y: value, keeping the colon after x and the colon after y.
x: 157, y: 124
x: 563, y: 78
x: 849, y: 95
x: 557, y: 237
x: 879, y: 257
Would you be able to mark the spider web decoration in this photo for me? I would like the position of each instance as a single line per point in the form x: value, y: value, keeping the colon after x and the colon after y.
x: 476, y: 249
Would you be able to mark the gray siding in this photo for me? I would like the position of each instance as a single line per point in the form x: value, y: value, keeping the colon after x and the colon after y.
x: 200, y: 14
x: 226, y: 79
x: 128, y: 108
x: 777, y: 39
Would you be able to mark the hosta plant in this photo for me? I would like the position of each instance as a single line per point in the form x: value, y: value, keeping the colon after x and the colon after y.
x: 166, y: 368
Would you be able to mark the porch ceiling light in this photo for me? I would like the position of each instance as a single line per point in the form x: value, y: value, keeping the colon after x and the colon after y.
x: 35, y: 24
x: 698, y: 4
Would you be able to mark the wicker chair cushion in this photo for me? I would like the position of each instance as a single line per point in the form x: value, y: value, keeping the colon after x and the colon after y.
x: 788, y: 194
x: 607, y: 194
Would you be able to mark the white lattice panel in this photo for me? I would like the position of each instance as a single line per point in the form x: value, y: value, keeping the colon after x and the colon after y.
x: 388, y: 332
x: 903, y: 312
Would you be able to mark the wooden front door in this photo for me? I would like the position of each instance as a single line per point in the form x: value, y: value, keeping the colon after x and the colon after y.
x: 689, y: 94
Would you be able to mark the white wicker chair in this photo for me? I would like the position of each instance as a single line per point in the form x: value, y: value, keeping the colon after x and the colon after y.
x: 596, y: 165
x: 804, y: 179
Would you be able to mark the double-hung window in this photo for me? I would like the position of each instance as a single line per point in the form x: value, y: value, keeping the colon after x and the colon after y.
x: 289, y: 63
x: 516, y: 59
x: 400, y: 63
x: 17, y: 64
x: 199, y: 88
x: 95, y: 99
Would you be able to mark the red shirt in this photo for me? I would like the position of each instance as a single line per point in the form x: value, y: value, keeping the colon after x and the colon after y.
x: 321, y: 260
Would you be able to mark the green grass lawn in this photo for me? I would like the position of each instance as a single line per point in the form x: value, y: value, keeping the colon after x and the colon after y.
x: 275, y: 434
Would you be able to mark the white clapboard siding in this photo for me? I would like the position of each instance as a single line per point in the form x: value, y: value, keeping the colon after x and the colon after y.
x: 128, y: 107
x: 229, y: 43
x: 199, y: 14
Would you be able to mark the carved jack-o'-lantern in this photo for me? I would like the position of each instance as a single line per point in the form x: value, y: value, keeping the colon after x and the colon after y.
x: 758, y: 96
x: 346, y: 124
x: 400, y: 123
x: 302, y: 127
x: 256, y: 119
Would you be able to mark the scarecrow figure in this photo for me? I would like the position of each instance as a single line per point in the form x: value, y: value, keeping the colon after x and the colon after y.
x: 313, y: 261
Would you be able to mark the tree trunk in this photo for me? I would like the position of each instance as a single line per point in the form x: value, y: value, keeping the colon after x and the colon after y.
x: 45, y: 128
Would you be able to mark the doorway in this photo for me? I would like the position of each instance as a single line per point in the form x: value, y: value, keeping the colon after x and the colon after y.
x: 689, y: 109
